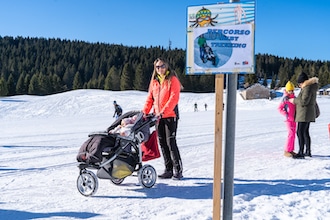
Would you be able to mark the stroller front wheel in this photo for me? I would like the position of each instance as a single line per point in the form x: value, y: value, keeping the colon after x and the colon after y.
x: 147, y: 176
x: 87, y: 183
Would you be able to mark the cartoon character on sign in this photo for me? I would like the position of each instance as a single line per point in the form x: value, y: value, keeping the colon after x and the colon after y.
x: 239, y: 12
x: 203, y: 18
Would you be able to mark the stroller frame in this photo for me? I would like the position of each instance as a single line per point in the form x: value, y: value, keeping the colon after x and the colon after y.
x: 87, y: 181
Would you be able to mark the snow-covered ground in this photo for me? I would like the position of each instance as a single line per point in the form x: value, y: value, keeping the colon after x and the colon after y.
x: 40, y: 137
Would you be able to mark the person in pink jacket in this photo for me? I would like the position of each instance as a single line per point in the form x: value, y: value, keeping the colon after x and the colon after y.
x: 288, y: 109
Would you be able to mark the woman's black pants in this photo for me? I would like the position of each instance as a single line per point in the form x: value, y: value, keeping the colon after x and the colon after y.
x: 303, y: 137
x: 167, y: 139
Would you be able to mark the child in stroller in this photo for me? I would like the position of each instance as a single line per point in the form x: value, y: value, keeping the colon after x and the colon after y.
x: 125, y: 126
x: 116, y: 155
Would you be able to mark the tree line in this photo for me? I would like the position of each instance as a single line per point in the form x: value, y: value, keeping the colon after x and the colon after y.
x: 40, y: 66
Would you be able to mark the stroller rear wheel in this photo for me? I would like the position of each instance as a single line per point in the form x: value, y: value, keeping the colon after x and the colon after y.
x: 147, y: 176
x: 87, y: 183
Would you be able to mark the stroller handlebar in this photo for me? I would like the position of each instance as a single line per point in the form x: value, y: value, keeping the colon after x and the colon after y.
x: 152, y: 117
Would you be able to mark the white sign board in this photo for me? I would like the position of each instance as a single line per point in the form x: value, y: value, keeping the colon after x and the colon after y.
x: 220, y: 38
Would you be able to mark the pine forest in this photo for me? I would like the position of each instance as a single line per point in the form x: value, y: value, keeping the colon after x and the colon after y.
x: 39, y: 66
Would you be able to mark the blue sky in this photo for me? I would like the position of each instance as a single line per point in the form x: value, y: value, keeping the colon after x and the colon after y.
x: 284, y: 28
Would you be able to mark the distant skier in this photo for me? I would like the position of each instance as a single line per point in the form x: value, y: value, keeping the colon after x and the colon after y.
x: 195, y: 107
x: 118, y: 110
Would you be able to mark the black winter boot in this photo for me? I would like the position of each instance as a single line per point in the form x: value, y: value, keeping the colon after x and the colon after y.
x: 166, y: 175
x: 177, y: 176
x: 298, y: 156
x: 308, y: 152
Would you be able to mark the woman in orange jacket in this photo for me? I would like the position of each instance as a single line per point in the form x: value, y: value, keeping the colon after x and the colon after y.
x: 163, y: 97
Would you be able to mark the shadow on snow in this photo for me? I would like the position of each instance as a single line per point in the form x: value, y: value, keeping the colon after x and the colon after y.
x: 250, y: 189
x: 24, y: 215
x: 199, y: 190
x: 254, y: 188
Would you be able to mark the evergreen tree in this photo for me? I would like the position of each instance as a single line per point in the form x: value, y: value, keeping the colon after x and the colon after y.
x: 312, y: 70
x: 126, y: 78
x: 34, y: 88
x: 185, y: 80
x: 56, y: 83
x: 3, y: 87
x: 27, y: 79
x: 208, y: 83
x: 100, y: 81
x: 264, y: 83
x: 115, y: 78
x: 11, y: 85
x: 324, y: 75
x: 251, y: 79
x: 140, y: 81
x: 259, y: 64
x: 92, y: 84
x: 273, y: 83
x: 69, y: 76
x: 45, y: 86
x: 20, y: 86
x: 107, y: 81
x: 77, y: 81
x: 283, y: 75
x: 297, y: 71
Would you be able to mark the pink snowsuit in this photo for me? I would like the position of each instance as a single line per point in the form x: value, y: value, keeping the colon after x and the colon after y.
x: 288, y: 109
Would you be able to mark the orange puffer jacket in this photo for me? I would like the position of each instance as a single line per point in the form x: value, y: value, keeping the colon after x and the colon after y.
x: 163, y: 97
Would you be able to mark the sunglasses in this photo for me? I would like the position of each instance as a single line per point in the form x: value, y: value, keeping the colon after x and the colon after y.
x: 161, y: 66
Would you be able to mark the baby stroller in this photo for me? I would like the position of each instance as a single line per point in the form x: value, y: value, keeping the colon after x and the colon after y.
x: 115, y: 157
x: 209, y: 55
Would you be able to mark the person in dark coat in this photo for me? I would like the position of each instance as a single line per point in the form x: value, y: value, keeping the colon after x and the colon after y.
x: 305, y: 112
x: 118, y: 110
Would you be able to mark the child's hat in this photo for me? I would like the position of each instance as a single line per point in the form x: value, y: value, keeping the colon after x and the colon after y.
x: 289, y: 86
